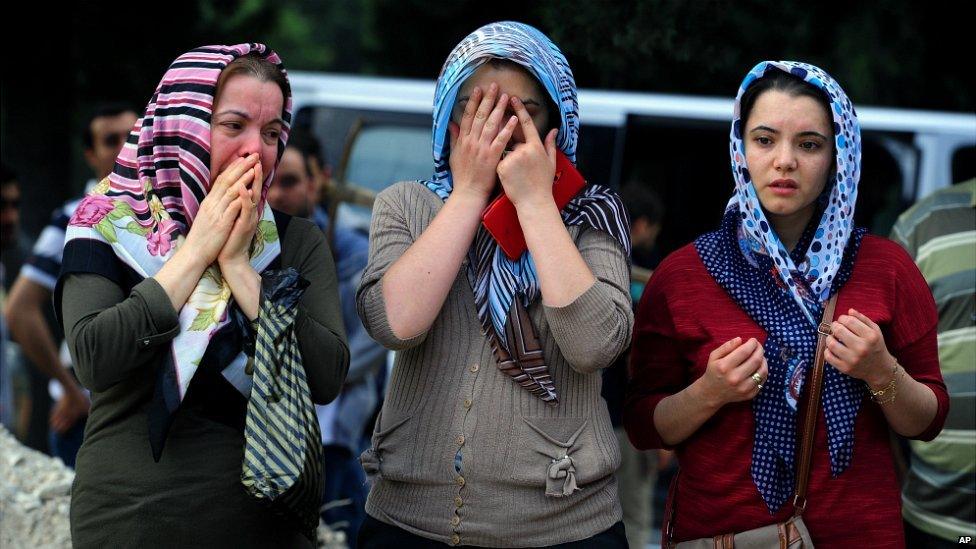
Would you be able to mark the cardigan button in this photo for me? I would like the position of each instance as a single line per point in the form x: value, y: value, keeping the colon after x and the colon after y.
x: 474, y: 368
x: 467, y: 403
x: 455, y: 520
x: 459, y: 440
x: 458, y: 502
x: 455, y: 539
x: 459, y: 481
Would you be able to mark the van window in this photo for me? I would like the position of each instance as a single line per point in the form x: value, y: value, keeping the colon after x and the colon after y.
x: 379, y: 156
x: 598, y: 152
x: 887, y: 159
x: 964, y: 164
x: 384, y: 154
x: 687, y: 164
x: 333, y: 126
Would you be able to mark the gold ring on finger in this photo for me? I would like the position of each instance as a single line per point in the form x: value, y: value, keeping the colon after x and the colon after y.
x: 758, y: 379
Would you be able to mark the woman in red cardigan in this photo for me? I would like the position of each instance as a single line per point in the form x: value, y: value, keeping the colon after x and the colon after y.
x: 726, y: 334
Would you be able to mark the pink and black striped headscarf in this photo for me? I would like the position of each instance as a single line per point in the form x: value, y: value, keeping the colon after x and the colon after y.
x: 143, y: 210
x: 171, y: 151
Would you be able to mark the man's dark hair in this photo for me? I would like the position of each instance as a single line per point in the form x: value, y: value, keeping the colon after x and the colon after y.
x: 304, y: 142
x: 100, y: 110
x: 642, y: 201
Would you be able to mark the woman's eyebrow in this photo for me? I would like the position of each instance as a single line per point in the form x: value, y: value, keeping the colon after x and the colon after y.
x: 813, y: 133
x: 247, y: 117
x: 801, y: 134
x: 242, y: 114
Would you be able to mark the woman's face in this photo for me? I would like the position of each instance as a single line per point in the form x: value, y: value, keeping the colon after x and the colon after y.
x: 516, y: 83
x: 789, y: 152
x: 246, y: 120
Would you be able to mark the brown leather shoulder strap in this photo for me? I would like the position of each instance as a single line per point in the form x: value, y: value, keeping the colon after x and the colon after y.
x: 811, y: 412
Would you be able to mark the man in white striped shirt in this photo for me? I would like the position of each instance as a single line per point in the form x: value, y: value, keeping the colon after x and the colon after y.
x: 28, y: 307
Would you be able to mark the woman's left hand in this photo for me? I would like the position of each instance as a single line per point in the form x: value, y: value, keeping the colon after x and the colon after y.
x: 238, y: 246
x: 526, y: 172
x: 857, y: 348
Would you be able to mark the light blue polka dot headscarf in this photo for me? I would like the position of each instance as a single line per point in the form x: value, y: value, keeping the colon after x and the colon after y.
x: 809, y: 282
x: 785, y: 293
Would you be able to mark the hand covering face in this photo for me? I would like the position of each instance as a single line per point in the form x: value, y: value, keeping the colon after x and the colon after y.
x: 504, y: 288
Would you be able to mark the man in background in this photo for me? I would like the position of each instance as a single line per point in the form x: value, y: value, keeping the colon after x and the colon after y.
x: 14, y: 248
x: 296, y: 190
x: 938, y: 502
x: 28, y: 310
x: 638, y: 470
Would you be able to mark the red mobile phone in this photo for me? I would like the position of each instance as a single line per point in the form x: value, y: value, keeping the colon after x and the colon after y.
x: 501, y: 220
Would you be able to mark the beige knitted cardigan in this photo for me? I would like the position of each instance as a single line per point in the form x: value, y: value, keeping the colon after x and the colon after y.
x: 531, y: 474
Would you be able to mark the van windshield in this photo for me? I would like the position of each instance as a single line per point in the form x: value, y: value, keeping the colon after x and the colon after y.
x: 382, y: 155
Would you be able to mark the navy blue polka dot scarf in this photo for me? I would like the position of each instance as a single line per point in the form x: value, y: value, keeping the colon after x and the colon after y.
x: 785, y: 292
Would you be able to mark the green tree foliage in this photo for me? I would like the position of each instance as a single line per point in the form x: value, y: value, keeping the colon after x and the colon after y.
x: 901, y: 53
x: 888, y: 52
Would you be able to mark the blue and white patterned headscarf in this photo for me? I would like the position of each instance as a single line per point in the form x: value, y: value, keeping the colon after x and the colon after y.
x: 810, y: 281
x: 785, y: 292
x: 518, y: 43
x: 497, y: 280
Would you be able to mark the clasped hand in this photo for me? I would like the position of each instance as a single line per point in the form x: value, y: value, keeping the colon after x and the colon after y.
x: 481, y: 153
x: 227, y: 218
x: 857, y: 348
x: 736, y: 371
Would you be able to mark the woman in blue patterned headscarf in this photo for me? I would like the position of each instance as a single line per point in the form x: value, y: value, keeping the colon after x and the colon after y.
x: 727, y: 329
x: 520, y: 452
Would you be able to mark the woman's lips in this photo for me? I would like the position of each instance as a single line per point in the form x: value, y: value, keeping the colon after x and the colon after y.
x: 784, y: 187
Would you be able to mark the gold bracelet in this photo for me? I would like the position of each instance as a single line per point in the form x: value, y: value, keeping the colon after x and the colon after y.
x: 890, y: 391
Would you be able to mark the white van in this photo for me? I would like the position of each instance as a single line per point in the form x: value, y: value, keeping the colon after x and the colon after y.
x: 376, y: 131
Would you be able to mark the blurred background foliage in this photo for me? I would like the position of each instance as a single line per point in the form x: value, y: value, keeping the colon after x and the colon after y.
x: 900, y: 53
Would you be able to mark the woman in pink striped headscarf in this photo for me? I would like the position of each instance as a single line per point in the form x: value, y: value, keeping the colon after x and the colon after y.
x: 166, y: 267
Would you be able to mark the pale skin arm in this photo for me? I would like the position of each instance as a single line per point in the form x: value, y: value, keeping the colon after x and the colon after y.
x: 416, y: 285
x: 857, y: 348
x: 727, y: 378
x: 526, y: 174
x: 28, y: 327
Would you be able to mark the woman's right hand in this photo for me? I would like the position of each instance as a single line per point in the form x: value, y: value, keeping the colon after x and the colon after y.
x: 478, y: 143
x: 729, y: 373
x: 219, y: 210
